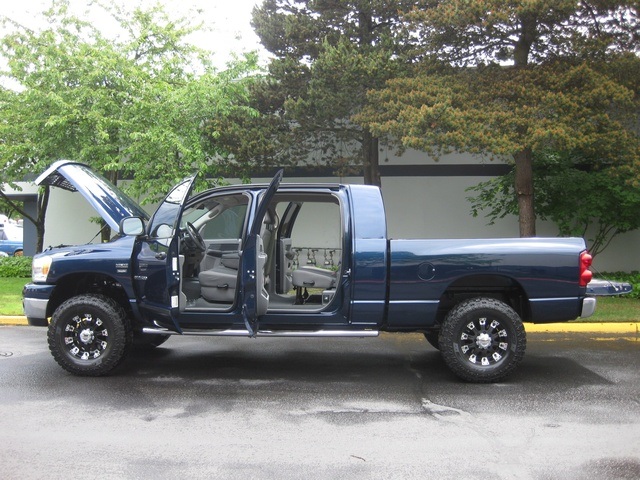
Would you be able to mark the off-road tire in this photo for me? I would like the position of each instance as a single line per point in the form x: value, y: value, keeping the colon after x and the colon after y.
x: 89, y: 335
x: 482, y: 340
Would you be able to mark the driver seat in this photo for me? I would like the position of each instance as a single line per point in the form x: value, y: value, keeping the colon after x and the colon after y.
x: 219, y: 283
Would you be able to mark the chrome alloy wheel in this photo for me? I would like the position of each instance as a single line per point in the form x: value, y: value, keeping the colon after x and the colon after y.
x: 89, y: 334
x: 484, y: 342
x: 86, y: 337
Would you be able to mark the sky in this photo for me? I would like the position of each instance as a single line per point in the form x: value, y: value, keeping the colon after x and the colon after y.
x: 228, y: 21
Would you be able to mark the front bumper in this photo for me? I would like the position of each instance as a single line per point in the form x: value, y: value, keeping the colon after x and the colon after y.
x: 35, y: 300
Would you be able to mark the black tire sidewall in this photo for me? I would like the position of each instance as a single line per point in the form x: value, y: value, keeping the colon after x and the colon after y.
x: 115, y: 321
x: 455, y: 323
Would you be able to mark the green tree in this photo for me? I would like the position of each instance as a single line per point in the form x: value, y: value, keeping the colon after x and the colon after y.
x: 131, y: 106
x: 584, y: 198
x: 512, y: 79
x: 326, y: 55
x: 17, y: 142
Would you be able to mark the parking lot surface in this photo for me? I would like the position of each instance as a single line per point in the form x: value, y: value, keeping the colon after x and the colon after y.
x: 321, y: 408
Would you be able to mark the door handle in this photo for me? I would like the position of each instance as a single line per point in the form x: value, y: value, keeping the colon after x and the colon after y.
x: 161, y: 256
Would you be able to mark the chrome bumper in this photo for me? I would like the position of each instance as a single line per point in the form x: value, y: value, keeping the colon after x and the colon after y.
x: 588, y: 307
x: 35, y: 309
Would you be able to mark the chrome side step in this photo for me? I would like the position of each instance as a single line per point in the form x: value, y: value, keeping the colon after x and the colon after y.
x: 267, y: 333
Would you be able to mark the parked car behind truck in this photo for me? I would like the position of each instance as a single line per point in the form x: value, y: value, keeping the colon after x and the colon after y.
x: 11, y: 239
x: 232, y: 262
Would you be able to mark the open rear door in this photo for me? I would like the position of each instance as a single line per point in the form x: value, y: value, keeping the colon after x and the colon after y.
x: 255, y: 297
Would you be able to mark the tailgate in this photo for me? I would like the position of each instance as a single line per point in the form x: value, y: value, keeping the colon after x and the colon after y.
x: 600, y: 287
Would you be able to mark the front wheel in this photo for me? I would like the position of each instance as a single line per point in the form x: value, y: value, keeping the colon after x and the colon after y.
x: 482, y: 340
x: 89, y: 335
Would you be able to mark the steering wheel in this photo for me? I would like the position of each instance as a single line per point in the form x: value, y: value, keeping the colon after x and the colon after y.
x: 195, y: 237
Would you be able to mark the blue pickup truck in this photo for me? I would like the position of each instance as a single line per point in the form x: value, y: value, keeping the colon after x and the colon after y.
x: 241, y: 261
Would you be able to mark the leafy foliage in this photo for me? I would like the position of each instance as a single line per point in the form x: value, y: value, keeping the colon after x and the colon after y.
x: 15, y: 266
x: 583, y: 198
x: 503, y: 110
x: 513, y: 79
x: 327, y: 54
x: 475, y: 32
x: 133, y: 106
x: 9, y: 209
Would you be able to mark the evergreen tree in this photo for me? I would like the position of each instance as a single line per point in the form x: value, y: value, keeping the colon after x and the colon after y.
x: 513, y: 79
x: 326, y: 55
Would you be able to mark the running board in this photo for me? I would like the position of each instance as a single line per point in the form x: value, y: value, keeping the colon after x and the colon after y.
x: 266, y: 333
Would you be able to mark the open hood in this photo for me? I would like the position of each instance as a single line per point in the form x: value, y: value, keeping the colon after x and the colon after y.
x: 111, y: 203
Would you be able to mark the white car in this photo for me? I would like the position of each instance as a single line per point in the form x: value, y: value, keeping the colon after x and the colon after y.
x: 10, y: 239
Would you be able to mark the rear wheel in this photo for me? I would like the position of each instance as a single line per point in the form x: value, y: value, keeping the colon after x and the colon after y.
x: 482, y: 340
x: 89, y: 335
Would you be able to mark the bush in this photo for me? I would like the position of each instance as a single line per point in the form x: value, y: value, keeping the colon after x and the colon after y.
x: 633, y: 278
x: 15, y: 266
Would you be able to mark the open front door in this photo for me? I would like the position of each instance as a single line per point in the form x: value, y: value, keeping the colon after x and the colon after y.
x: 157, y: 265
x: 255, y: 297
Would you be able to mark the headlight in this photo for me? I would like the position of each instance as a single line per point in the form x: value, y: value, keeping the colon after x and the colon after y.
x: 40, y: 268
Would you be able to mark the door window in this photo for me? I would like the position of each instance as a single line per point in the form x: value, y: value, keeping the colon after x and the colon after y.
x: 218, y: 218
x: 227, y: 224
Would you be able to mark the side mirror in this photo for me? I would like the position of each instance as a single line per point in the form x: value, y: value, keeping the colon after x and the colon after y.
x: 131, y: 226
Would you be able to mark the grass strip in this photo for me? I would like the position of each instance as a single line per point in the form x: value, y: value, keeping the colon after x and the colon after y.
x: 11, y: 295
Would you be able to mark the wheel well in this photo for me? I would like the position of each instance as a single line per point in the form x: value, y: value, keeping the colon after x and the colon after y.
x: 80, y: 283
x: 500, y: 287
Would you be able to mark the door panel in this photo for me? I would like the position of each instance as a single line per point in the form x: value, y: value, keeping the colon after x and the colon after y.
x: 157, y: 266
x: 216, y: 249
x: 254, y: 297
x: 157, y: 281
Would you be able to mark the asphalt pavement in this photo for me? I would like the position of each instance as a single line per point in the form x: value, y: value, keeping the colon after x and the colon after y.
x: 276, y: 408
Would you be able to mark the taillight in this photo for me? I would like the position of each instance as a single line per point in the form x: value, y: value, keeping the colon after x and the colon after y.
x: 585, y: 274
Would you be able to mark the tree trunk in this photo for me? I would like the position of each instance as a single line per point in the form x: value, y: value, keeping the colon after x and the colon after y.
x: 524, y: 193
x: 371, y: 160
x: 371, y: 154
x: 524, y: 158
x: 38, y: 222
